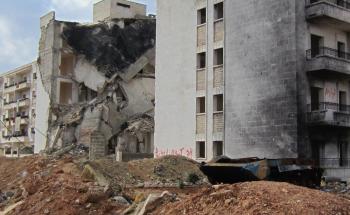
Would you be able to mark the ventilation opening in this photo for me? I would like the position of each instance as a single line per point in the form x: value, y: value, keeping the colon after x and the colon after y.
x: 123, y: 5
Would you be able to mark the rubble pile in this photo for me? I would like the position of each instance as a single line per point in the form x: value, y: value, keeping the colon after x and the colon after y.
x: 48, y: 185
x: 169, y: 171
x: 258, y: 198
x: 112, y: 71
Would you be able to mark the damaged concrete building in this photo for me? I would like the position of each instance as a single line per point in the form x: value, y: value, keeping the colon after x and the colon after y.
x: 249, y: 78
x: 99, y: 80
x: 18, y: 93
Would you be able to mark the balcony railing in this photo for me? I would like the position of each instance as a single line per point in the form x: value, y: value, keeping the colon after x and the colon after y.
x: 325, y: 51
x: 334, y: 163
x: 341, y: 3
x: 328, y: 106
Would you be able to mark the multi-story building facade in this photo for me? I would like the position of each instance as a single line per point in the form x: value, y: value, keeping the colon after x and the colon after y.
x: 266, y: 79
x: 18, y: 110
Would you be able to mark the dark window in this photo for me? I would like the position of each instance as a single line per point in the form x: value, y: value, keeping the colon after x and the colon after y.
x: 201, y: 149
x: 218, y: 57
x: 219, y: 11
x: 316, y: 45
x: 343, y: 153
x: 341, y: 50
x: 202, y: 16
x: 123, y: 5
x: 34, y: 75
x: 201, y: 105
x: 316, y: 98
x: 342, y: 101
x: 201, y: 60
x: 218, y: 148
x: 218, y: 103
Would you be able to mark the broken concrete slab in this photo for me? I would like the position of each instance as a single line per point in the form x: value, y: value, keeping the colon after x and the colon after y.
x: 89, y: 75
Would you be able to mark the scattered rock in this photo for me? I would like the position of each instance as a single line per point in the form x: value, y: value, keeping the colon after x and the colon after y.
x: 120, y: 200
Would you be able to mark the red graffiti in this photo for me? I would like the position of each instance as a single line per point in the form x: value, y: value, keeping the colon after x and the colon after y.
x: 178, y: 152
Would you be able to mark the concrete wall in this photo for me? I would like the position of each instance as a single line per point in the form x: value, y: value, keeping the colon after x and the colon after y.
x: 175, y: 112
x: 260, y: 78
x: 42, y: 115
x: 109, y: 9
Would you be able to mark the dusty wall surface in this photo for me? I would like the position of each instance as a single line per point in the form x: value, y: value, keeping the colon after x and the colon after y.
x: 42, y: 115
x: 175, y: 112
x: 140, y: 93
x: 108, y: 9
x: 260, y: 79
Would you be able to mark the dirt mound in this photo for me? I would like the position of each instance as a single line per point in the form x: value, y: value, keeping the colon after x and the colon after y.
x: 12, y: 171
x: 169, y: 170
x: 258, y: 198
x: 47, y: 186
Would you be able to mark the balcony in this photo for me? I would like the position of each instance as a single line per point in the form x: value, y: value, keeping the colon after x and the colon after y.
x: 328, y: 114
x: 23, y: 102
x: 327, y: 62
x: 19, y: 137
x: 23, y: 85
x: 333, y: 12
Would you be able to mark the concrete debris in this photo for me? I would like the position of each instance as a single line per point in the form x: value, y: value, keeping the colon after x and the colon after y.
x: 120, y: 200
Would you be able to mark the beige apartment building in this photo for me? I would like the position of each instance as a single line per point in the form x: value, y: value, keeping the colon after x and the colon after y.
x: 18, y: 93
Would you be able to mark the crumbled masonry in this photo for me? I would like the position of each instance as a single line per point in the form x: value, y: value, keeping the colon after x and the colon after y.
x: 113, y: 78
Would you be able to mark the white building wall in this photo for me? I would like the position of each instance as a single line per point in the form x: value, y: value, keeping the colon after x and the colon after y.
x: 175, y: 124
x: 42, y: 116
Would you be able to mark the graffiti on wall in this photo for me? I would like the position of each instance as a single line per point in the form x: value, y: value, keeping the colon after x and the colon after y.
x: 186, y: 152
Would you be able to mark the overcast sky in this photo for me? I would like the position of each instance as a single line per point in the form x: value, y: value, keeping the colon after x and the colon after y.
x: 20, y: 31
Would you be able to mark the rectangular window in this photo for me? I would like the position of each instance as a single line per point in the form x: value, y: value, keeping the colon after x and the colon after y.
x: 123, y: 5
x: 201, y: 60
x: 200, y: 149
x: 8, y: 151
x: 219, y: 11
x: 316, y: 45
x: 316, y: 98
x: 201, y: 105
x: 202, y: 16
x: 218, y: 57
x: 218, y: 148
x: 343, y: 153
x: 34, y: 76
x: 218, y: 103
x: 342, y: 101
x: 341, y: 50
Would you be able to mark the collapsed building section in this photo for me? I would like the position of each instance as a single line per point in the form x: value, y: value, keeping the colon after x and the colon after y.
x: 99, y: 79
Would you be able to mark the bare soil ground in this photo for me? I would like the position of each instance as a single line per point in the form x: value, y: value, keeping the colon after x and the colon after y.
x: 49, y: 186
x: 258, y: 198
